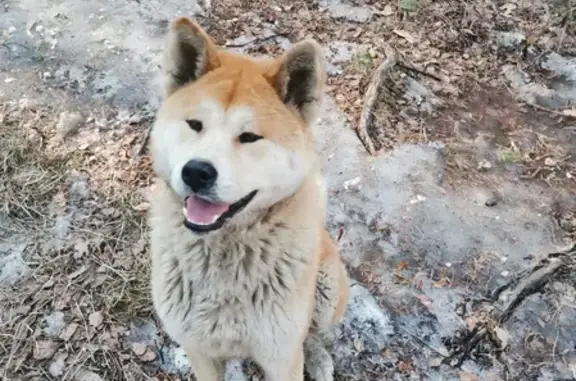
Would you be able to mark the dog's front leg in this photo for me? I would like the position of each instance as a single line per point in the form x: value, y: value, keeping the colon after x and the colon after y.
x: 286, y: 367
x: 205, y: 368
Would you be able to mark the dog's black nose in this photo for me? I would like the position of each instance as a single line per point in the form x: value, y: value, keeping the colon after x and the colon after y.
x: 199, y: 175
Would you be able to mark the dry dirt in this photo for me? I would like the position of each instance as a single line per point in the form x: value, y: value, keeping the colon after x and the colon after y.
x: 459, y: 233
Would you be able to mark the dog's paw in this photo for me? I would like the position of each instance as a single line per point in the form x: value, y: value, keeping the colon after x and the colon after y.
x: 317, y: 361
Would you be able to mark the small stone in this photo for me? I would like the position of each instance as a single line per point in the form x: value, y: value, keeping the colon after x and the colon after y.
x: 11, y: 29
x: 505, y: 273
x: 69, y: 123
x: 550, y: 162
x: 492, y: 201
x: 419, y: 198
x: 510, y: 40
x: 350, y: 13
x: 54, y: 323
x: 28, y: 104
x: 353, y: 183
x: 484, y: 165
x: 96, y: 318
x: 139, y: 348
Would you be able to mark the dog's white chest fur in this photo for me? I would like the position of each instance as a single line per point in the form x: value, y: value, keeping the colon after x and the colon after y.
x: 229, y: 294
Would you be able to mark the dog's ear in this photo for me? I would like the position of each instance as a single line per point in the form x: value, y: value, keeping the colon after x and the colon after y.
x: 189, y: 54
x: 301, y: 78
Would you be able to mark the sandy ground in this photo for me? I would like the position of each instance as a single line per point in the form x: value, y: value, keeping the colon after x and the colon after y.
x: 457, y: 233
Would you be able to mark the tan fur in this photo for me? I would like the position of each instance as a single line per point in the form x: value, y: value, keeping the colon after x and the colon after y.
x: 270, y: 282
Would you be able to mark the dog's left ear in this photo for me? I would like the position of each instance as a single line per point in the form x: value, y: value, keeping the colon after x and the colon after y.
x: 301, y: 78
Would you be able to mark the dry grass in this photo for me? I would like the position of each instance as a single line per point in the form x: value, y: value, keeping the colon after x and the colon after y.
x: 83, y: 227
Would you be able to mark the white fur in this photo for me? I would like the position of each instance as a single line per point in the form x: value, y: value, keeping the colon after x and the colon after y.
x: 271, y: 169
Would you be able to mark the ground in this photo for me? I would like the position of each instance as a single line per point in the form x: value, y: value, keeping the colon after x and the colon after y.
x: 458, y: 228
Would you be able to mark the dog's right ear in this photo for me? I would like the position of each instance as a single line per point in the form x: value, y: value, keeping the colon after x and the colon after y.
x: 189, y: 54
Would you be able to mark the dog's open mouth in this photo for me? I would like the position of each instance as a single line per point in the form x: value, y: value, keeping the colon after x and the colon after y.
x: 202, y: 215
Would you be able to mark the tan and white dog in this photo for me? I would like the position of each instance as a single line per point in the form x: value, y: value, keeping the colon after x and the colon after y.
x: 242, y: 266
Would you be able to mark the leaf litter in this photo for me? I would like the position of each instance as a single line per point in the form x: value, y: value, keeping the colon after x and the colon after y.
x: 93, y: 264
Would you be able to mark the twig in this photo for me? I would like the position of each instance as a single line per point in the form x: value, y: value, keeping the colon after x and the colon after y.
x: 409, y: 66
x: 415, y: 337
x: 145, y: 141
x: 258, y: 40
x: 549, y: 110
x: 376, y: 82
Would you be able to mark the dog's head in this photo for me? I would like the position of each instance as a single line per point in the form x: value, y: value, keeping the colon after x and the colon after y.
x: 232, y: 136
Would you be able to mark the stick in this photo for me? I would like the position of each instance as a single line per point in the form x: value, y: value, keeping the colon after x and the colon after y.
x: 145, y: 141
x: 551, y: 111
x: 409, y: 66
x: 257, y: 40
x: 367, y: 116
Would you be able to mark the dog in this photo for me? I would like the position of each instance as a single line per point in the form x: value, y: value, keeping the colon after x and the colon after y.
x: 242, y: 266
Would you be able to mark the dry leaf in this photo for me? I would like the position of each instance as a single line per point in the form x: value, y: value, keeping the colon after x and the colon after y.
x: 407, y: 36
x: 443, y: 282
x: 80, y: 249
x: 435, y: 362
x: 142, y: 207
x: 148, y: 355
x: 68, y: 331
x: 471, y: 322
x: 503, y: 336
x: 78, y: 272
x: 401, y: 266
x: 569, y: 112
x: 387, y: 11
x: 424, y: 299
x: 44, y: 349
x: 86, y: 375
x: 404, y: 366
x: 57, y: 366
x: 467, y: 376
x: 96, y: 319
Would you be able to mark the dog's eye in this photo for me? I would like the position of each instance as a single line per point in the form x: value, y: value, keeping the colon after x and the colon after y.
x: 248, y: 137
x: 194, y: 124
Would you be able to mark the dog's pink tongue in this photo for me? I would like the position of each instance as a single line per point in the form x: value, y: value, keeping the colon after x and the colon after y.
x: 202, y: 211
